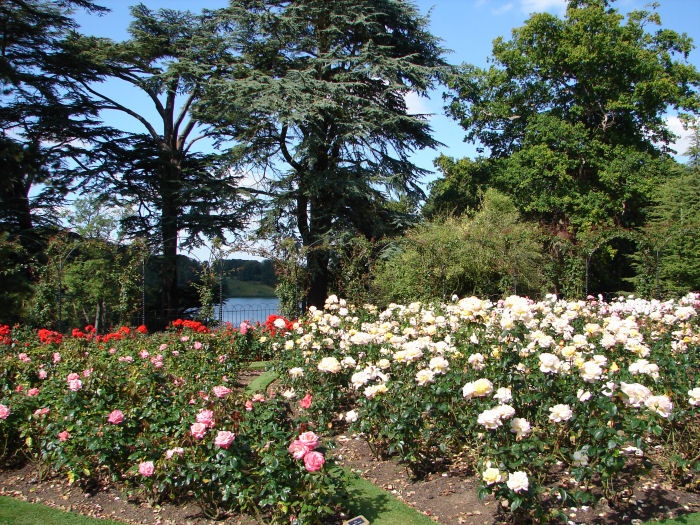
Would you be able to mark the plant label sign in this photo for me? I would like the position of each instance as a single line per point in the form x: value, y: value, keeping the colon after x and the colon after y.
x: 359, y: 520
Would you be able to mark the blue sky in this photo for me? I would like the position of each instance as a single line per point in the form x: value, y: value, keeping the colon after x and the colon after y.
x: 467, y: 27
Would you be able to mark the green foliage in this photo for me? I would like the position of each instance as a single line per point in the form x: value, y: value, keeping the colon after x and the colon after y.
x: 667, y: 261
x: 15, y: 270
x: 572, y: 111
x: 460, y: 189
x: 492, y: 253
x: 318, y: 101
x: 87, y: 281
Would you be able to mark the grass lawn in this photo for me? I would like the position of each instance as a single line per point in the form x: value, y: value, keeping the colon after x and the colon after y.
x: 15, y: 512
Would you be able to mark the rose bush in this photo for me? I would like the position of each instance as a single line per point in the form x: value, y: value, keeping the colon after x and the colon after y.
x: 163, y: 416
x: 545, y: 399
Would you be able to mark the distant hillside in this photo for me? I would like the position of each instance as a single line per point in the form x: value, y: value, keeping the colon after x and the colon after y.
x: 241, y: 277
x: 245, y: 278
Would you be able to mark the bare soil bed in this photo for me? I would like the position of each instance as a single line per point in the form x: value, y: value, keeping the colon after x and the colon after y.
x: 449, y: 497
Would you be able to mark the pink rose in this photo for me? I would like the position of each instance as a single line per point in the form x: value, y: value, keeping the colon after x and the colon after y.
x: 198, y: 430
x: 297, y: 449
x: 75, y: 384
x: 63, y: 436
x: 309, y: 439
x: 224, y: 438
x: 112, y: 351
x: 143, y: 354
x: 306, y: 401
x: 56, y: 357
x: 206, y: 417
x: 249, y: 405
x: 258, y: 398
x: 197, y: 345
x: 146, y: 468
x: 313, y: 461
x: 221, y: 391
x: 244, y: 327
x: 162, y: 347
x: 87, y: 372
x: 115, y: 417
x: 24, y: 358
x: 43, y: 374
x: 4, y: 411
x: 33, y: 392
x: 72, y: 376
x: 177, y: 451
x: 41, y: 411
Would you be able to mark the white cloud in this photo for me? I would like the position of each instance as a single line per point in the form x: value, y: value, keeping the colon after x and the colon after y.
x: 537, y: 6
x: 682, y: 143
x: 416, y: 105
x: 505, y: 8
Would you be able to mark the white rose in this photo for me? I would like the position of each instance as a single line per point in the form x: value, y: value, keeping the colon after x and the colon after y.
x: 559, y: 413
x: 329, y: 364
x: 518, y: 482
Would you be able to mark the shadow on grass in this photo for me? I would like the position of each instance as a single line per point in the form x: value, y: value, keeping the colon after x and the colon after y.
x: 378, y: 506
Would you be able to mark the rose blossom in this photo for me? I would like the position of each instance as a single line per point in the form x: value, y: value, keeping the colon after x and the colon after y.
x: 75, y: 384
x: 559, y: 413
x: 56, y: 357
x: 330, y: 365
x: 549, y: 363
x: 224, y: 438
x: 479, y: 388
x: 198, y: 430
x: 351, y: 416
x: 41, y: 411
x: 309, y: 439
x: 115, y: 417
x: 63, y: 436
x: 313, y: 461
x: 491, y: 475
x: 4, y: 411
x: 221, y: 391
x: 177, y: 451
x: 306, y: 401
x: 517, y: 481
x: 694, y: 396
x: 146, y: 468
x: 503, y: 395
x: 297, y: 449
x: 296, y: 372
x: 206, y: 417
x: 636, y: 393
x: 662, y: 405
x: 520, y: 427
x: 197, y: 345
x: 424, y: 376
x: 43, y: 374
x: 491, y: 419
x: 33, y: 392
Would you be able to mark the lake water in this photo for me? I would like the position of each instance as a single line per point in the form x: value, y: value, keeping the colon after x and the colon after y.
x: 252, y: 309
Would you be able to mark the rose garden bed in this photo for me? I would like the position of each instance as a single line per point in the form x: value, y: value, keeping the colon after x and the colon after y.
x: 474, y: 412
